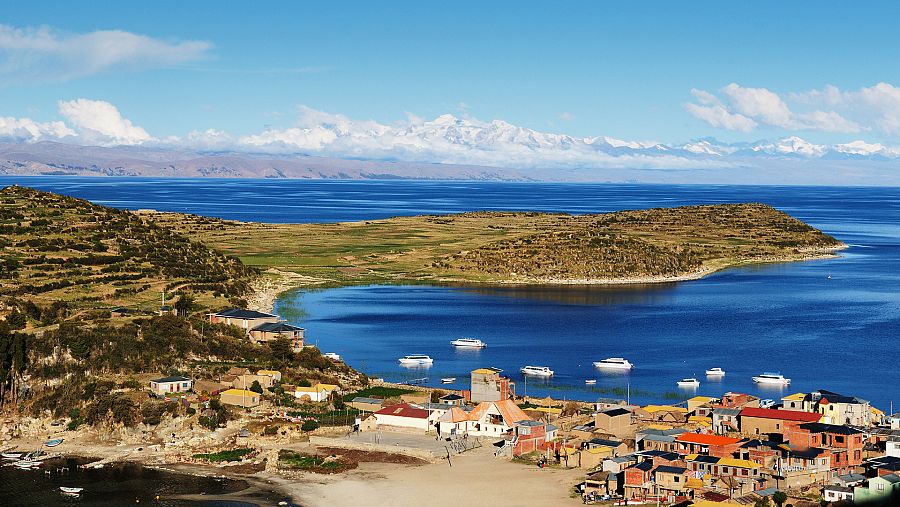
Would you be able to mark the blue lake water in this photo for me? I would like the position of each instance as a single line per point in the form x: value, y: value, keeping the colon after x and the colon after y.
x: 839, y: 333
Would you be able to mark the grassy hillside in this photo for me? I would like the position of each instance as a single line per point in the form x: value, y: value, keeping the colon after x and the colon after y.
x: 654, y: 244
x: 57, y: 249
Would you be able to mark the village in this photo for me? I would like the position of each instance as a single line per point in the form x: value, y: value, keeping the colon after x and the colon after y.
x: 805, y: 449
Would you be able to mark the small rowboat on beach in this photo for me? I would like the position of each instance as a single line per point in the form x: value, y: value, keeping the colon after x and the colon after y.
x: 71, y: 490
x: 27, y: 465
x: 54, y: 442
x: 12, y: 455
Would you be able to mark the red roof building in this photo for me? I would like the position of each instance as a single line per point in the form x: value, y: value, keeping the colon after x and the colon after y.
x: 713, y: 445
x: 768, y: 421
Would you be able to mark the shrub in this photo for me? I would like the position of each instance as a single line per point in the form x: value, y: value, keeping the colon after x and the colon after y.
x: 309, y: 425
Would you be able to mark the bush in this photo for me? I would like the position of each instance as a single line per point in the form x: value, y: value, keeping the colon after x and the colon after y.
x: 309, y: 425
x: 221, y: 456
x: 256, y: 388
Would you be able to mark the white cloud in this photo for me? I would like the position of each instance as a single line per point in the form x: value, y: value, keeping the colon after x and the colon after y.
x: 566, y: 116
x: 100, y: 122
x: 43, y: 54
x: 711, y: 110
x: 25, y: 129
x: 877, y: 106
x: 743, y: 108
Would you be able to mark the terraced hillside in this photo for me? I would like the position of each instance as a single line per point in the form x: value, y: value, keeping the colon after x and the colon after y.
x: 56, y: 249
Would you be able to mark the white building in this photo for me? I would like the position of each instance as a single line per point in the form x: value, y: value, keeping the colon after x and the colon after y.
x: 177, y: 384
x: 837, y: 493
x: 489, y: 418
x: 403, y: 416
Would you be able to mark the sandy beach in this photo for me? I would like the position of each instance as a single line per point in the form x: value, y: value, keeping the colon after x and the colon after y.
x: 476, y: 478
x: 438, y: 483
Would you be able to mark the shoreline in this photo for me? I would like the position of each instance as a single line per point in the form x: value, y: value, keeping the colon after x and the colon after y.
x: 273, y: 283
x: 375, y: 483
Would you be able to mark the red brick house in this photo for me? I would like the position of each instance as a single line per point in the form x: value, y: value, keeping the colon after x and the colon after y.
x: 844, y: 443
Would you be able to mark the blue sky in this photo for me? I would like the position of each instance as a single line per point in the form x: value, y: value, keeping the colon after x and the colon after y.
x: 625, y: 70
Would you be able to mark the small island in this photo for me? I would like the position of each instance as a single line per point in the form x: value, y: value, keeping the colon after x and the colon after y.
x: 641, y: 246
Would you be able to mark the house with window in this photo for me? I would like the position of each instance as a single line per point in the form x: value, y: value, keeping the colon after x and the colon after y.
x: 657, y: 439
x: 240, y: 398
x: 670, y: 480
x: 165, y: 385
x: 740, y: 476
x: 488, y: 385
x: 794, y: 402
x: 878, y: 489
x: 838, y: 409
x: 836, y: 493
x: 700, y: 443
x: 271, y: 331
x: 638, y: 480
x: 614, y: 421
x: 452, y: 399
x: 844, y: 443
x: 494, y: 418
x: 774, y: 422
x: 244, y: 319
x: 403, y: 415
x: 725, y: 420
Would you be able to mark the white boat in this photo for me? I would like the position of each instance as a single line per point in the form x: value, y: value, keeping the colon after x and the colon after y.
x: 537, y: 371
x: 772, y: 379
x: 468, y: 342
x: 332, y: 355
x: 71, y: 490
x: 715, y: 372
x: 27, y: 464
x: 12, y: 455
x: 448, y: 380
x: 766, y: 403
x: 614, y: 363
x: 416, y: 359
x: 590, y: 382
x: 688, y: 382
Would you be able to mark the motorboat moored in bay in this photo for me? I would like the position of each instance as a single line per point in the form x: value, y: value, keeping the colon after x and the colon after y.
x: 614, y: 363
x: 715, y: 372
x: 688, y: 382
x: 416, y: 360
x: 468, y: 342
x: 772, y: 379
x: 537, y: 371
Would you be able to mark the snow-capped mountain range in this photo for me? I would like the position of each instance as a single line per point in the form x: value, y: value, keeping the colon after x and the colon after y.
x: 324, y: 145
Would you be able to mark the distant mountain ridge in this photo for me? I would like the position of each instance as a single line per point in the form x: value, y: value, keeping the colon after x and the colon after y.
x: 462, y: 149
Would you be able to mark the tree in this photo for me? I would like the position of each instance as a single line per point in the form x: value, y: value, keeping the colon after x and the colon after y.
x: 281, y: 348
x: 779, y: 497
x: 256, y: 388
x: 436, y: 395
x: 185, y: 304
x: 309, y: 425
x: 16, y: 320
x: 762, y: 502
